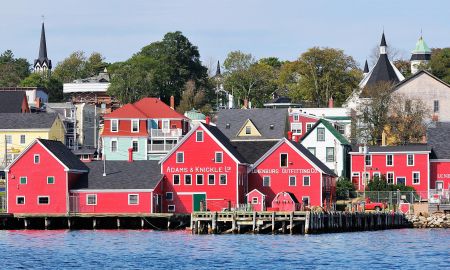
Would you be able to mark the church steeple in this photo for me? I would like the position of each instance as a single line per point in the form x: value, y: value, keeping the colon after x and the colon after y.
x: 42, y: 64
x: 366, y: 68
x: 421, y: 55
x: 218, y: 73
x: 383, y: 44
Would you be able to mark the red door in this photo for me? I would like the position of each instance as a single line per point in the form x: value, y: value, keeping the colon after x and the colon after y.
x: 355, y: 181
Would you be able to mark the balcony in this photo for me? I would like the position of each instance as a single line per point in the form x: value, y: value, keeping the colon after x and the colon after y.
x: 166, y: 133
x: 152, y: 148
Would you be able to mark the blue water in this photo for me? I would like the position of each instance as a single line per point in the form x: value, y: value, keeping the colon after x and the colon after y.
x: 399, y: 249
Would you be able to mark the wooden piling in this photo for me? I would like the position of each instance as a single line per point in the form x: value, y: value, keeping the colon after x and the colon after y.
x: 273, y: 222
x: 308, y: 214
x: 291, y: 222
x: 46, y: 223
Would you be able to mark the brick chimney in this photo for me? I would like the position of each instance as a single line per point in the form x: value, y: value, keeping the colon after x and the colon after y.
x: 289, y: 135
x: 172, y: 102
x: 331, y: 103
x: 130, y: 154
x: 207, y: 120
x: 435, y: 118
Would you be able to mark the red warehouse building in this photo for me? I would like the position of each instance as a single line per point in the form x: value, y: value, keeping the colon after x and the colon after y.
x: 203, y: 172
x: 118, y: 187
x: 438, y: 138
x: 406, y: 164
x: 290, y: 167
x: 38, y: 180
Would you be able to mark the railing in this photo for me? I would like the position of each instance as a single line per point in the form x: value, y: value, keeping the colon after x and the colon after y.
x: 166, y: 133
x: 160, y: 147
x: 439, y: 196
x: 2, y: 202
x: 395, y: 197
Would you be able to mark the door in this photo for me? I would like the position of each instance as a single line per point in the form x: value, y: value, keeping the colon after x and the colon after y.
x: 199, y: 202
x: 439, y: 186
x: 355, y: 181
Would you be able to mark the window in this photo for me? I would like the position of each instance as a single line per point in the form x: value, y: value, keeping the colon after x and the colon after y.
x: 22, y: 139
x: 366, y: 177
x: 180, y: 157
x: 165, y: 125
x: 176, y: 179
x: 91, y: 199
x: 283, y: 160
x: 306, y: 181
x: 330, y: 154
x: 266, y: 181
x: 43, y: 200
x: 368, y: 160
x: 410, y: 160
x: 296, y: 128
x: 320, y: 134
x: 114, y: 146
x: 416, y: 178
x: 135, y: 146
x: 8, y: 139
x: 135, y: 125
x: 114, y: 125
x: 188, y: 179
x: 340, y: 128
x: 133, y: 199
x: 390, y: 178
x: 312, y: 150
x: 171, y: 208
x: 37, y: 159
x: 50, y: 179
x: 20, y: 200
x: 223, y: 179
x: 248, y: 130
x: 199, y: 179
x: 436, y: 106
x: 376, y: 174
x: 254, y: 200
x: 292, y: 181
x: 211, y: 179
x: 401, y: 181
x: 296, y: 117
x: 389, y: 160
x: 169, y: 196
x: 309, y: 126
x: 199, y: 136
x: 219, y: 157
x: 305, y: 200
x: 23, y: 180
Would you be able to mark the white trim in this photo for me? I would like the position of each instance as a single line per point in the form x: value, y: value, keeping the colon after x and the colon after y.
x: 137, y: 201
x: 34, y: 158
x: 109, y: 190
x: 214, y: 178
x: 54, y: 180
x: 190, y: 193
x: 365, y: 159
x: 376, y: 173
x: 387, y: 165
x: 289, y: 180
x: 203, y: 180
x: 133, y: 121
x: 226, y: 179
x: 87, y: 199
x: 439, y: 160
x: 20, y: 180
x: 196, y: 135
x: 110, y: 146
x: 264, y: 176
x: 413, y: 159
x: 321, y: 190
x: 43, y: 196
x: 176, y: 157
x: 184, y: 180
x: 393, y: 178
x: 303, y: 181
x: 173, y: 179
x: 383, y: 153
x: 21, y: 196
x: 215, y: 156
x: 255, y: 189
x: 287, y: 160
x: 397, y: 177
x: 412, y: 178
x: 169, y: 206
x: 309, y: 200
x: 111, y: 127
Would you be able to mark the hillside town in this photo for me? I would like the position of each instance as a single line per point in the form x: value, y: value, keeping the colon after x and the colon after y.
x: 112, y: 146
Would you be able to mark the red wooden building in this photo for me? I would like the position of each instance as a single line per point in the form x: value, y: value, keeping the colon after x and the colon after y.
x: 407, y: 164
x: 257, y: 200
x: 39, y: 179
x: 203, y: 172
x: 290, y: 167
x: 301, y: 122
x: 285, y: 201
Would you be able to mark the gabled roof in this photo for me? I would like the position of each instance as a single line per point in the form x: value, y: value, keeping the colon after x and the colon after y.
x: 438, y: 138
x: 127, y: 111
x: 155, y: 108
x: 139, y: 174
x: 11, y: 101
x: 319, y: 165
x: 330, y: 128
x: 271, y: 123
x: 253, y: 150
x: 395, y: 148
x: 63, y: 154
x: 26, y: 121
x: 246, y: 123
x: 417, y: 75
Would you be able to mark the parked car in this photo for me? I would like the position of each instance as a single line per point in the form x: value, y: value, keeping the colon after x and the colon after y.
x: 377, y: 206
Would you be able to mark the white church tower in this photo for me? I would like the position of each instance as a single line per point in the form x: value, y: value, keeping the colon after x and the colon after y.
x: 420, y: 56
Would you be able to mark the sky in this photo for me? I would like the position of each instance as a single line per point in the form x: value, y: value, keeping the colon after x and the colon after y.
x: 282, y: 29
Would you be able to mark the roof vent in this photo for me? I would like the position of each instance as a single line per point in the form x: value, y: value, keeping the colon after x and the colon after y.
x: 271, y: 127
x: 227, y: 126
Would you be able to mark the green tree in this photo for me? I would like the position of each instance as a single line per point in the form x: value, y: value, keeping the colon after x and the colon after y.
x: 78, y: 66
x: 194, y: 98
x: 321, y: 73
x: 440, y: 63
x: 53, y: 86
x: 12, y: 70
x: 344, y: 189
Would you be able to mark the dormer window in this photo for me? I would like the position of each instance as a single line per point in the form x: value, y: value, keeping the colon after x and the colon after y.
x: 248, y: 130
x: 296, y: 117
x: 114, y: 125
x: 135, y: 125
x: 271, y: 127
x: 227, y: 126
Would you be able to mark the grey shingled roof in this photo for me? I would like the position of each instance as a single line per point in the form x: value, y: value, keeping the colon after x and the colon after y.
x: 11, y: 101
x: 261, y: 118
x: 225, y: 142
x: 324, y: 168
x: 439, y: 139
x: 64, y: 155
x: 253, y: 150
x: 27, y: 120
x: 396, y: 148
x: 139, y: 174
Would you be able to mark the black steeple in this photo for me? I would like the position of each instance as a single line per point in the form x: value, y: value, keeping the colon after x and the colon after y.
x: 218, y: 73
x: 366, y: 67
x: 383, y: 40
x: 43, y: 51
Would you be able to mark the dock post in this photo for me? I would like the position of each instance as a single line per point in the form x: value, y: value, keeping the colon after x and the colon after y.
x: 233, y: 223
x: 94, y: 223
x: 214, y: 222
x: 254, y: 222
x: 273, y: 222
x: 283, y: 226
x: 142, y: 223
x: 118, y: 223
x: 46, y: 223
x: 291, y: 222
x: 168, y: 224
x: 25, y: 223
x: 199, y: 227
x: 308, y: 214
x: 194, y: 227
x: 68, y: 223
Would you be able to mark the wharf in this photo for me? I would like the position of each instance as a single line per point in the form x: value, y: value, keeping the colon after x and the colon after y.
x: 302, y: 222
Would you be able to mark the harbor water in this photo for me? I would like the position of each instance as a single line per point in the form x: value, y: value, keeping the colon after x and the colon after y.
x: 127, y: 249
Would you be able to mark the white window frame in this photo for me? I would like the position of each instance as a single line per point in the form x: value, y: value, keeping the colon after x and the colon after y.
x: 184, y: 178
x: 407, y: 160
x: 263, y: 180
x: 48, y: 197
x: 137, y: 144
x: 132, y: 125
x: 9, y: 139
x: 387, y: 164
x: 221, y: 157
x: 20, y: 180
x: 197, y: 133
x: 312, y: 148
x: 309, y: 126
x: 365, y: 160
x: 295, y: 180
x: 91, y: 195
x: 296, y: 117
x: 393, y: 178
x: 326, y: 154
x: 54, y: 180
x: 296, y: 128
x: 220, y: 179
x: 418, y: 183
x: 24, y: 139
x: 317, y: 137
x: 176, y: 157
x: 309, y: 199
x: 309, y: 180
x: 163, y: 122
x: 196, y: 179
x: 173, y: 179
x: 137, y: 199
x: 112, y: 125
x: 254, y: 201
x: 20, y: 196
x: 214, y: 179
x: 248, y: 130
x: 39, y: 159
x: 171, y: 198
x: 111, y: 146
x: 171, y: 208
x: 287, y: 160
x: 366, y: 177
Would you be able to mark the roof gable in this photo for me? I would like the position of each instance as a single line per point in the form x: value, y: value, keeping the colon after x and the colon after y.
x: 417, y: 75
x: 253, y: 130
x: 155, y: 108
x: 127, y: 111
x: 330, y: 128
x: 12, y: 101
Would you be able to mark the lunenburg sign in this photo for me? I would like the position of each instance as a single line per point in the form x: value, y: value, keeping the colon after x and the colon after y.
x: 284, y: 170
x: 224, y: 169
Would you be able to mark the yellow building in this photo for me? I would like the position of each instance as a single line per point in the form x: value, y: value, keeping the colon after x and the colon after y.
x: 18, y: 130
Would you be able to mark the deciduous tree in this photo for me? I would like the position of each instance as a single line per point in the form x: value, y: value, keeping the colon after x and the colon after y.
x: 12, y: 70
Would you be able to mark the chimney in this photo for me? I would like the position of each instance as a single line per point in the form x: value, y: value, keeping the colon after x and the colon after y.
x: 172, y: 102
x: 435, y: 118
x: 330, y: 102
x: 383, y: 138
x: 38, y: 102
x: 130, y: 154
x: 297, y: 139
x: 245, y: 103
x: 289, y: 135
x: 207, y: 120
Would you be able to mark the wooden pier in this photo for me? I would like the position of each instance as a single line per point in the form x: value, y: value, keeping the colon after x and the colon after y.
x: 298, y: 222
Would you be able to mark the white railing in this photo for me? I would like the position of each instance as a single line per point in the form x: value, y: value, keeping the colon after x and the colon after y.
x: 440, y: 196
x: 166, y: 133
x: 160, y: 147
